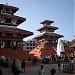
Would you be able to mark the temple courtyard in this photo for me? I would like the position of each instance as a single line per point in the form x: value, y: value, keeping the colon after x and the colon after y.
x: 33, y: 70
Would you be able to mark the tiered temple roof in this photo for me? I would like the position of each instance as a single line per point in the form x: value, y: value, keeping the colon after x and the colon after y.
x: 9, y: 8
x: 48, y: 36
x: 47, y: 31
x: 9, y: 22
x: 11, y: 37
x: 49, y: 27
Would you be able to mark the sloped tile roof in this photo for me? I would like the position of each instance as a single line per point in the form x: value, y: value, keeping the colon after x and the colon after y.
x: 14, y: 30
x: 50, y: 27
x: 48, y: 34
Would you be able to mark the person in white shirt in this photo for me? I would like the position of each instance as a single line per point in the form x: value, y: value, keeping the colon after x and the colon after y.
x: 42, y: 71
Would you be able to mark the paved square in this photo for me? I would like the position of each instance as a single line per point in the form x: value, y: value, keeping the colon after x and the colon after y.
x: 33, y: 70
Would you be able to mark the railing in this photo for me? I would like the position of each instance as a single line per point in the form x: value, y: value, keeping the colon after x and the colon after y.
x: 68, y: 66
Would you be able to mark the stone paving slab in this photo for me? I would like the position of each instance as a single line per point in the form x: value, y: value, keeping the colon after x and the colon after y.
x: 34, y: 70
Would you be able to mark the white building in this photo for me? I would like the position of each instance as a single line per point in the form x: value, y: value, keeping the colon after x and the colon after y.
x: 30, y: 45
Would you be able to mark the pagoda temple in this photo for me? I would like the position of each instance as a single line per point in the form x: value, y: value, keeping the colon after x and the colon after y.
x: 47, y: 40
x: 47, y: 32
x: 11, y: 37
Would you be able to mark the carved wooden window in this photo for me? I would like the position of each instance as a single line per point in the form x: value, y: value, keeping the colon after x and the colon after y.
x: 15, y: 35
x: 3, y: 10
x: 10, y: 11
x: 8, y: 20
x: 3, y: 34
x: 6, y: 10
x: 14, y: 21
x: 2, y: 20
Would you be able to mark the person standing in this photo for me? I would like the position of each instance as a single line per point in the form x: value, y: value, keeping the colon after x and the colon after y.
x: 23, y: 65
x: 59, y: 63
x: 0, y: 70
x: 42, y: 71
x: 15, y: 70
x: 53, y: 71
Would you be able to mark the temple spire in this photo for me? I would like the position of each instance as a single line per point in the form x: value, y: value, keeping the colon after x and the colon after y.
x: 7, y: 2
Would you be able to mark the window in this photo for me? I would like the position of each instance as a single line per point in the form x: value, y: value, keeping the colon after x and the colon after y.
x: 27, y: 47
x: 2, y: 20
x: 34, y: 41
x: 33, y: 44
x: 30, y: 41
x: 30, y: 47
x: 8, y: 20
x: 14, y: 21
x: 27, y: 44
x: 6, y: 11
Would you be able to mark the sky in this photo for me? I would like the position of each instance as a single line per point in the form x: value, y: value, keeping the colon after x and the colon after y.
x: 36, y: 11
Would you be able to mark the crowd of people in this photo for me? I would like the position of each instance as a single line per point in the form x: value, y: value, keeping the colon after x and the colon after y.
x: 18, y: 66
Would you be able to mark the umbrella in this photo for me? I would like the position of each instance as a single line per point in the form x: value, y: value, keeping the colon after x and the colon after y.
x: 60, y: 47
